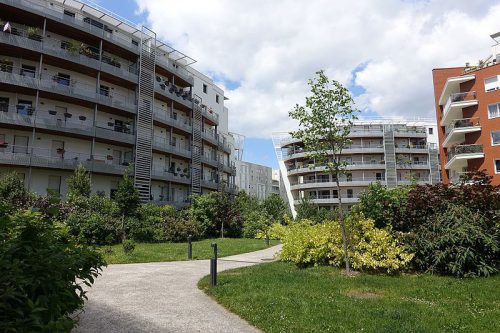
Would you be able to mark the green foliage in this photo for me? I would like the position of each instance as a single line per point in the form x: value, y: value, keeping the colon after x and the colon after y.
x: 457, y: 241
x: 12, y: 189
x: 217, y: 215
x: 305, y: 243
x: 128, y: 246
x: 274, y: 207
x: 275, y: 231
x: 79, y: 184
x: 95, y: 220
x: 177, y: 229
x: 127, y: 196
x: 42, y: 270
x: 307, y: 210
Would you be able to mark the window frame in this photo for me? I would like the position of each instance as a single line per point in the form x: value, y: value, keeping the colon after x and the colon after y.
x: 495, y: 169
x: 497, y: 112
x: 205, y: 88
x: 491, y: 135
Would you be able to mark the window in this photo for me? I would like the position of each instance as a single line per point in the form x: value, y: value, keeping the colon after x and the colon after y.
x: 69, y: 14
x: 431, y: 130
x: 134, y: 42
x: 335, y: 194
x: 20, y: 144
x: 4, y: 104
x: 6, y: 66
x: 217, y: 99
x: 54, y: 184
x: 104, y: 90
x: 62, y: 79
x: 24, y: 107
x: 28, y: 71
x: 205, y: 88
x: 349, y: 177
x: 495, y: 138
x: 491, y: 83
x: 349, y: 193
x: 494, y: 110
x: 497, y: 166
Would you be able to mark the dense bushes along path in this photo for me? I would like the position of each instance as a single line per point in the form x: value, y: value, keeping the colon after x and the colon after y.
x: 162, y: 297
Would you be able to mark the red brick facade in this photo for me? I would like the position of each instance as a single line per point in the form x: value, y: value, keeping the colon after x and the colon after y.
x: 483, y: 137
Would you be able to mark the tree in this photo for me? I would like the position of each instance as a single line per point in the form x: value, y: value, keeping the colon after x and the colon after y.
x: 79, y: 184
x: 275, y: 208
x: 324, y: 126
x: 127, y: 198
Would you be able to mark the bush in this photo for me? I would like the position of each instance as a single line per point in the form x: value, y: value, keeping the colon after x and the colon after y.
x: 457, y: 241
x: 307, y: 210
x: 370, y: 248
x: 177, y: 229
x: 128, y: 246
x: 12, y: 190
x: 276, y: 231
x: 42, y: 270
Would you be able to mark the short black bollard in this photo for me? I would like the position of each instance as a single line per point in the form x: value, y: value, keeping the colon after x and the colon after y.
x: 213, y: 266
x: 267, y: 240
x: 190, y: 247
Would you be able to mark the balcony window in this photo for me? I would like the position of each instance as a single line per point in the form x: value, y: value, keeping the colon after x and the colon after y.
x: 28, y: 71
x: 104, y: 90
x: 431, y: 130
x: 497, y: 166
x: 205, y: 88
x: 495, y: 138
x: 6, y: 66
x: 54, y: 184
x: 349, y: 193
x: 62, y: 79
x: 217, y: 99
x: 494, y: 110
x: 4, y: 104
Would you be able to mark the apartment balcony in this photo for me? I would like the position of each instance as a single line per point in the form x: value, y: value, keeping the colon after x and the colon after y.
x: 415, y: 165
x: 20, y: 115
x: 321, y: 183
x: 353, y: 165
x: 410, y: 133
x: 53, y: 83
x: 223, y: 144
x: 83, y: 55
x: 165, y: 117
x: 459, y: 155
x: 171, y: 91
x: 452, y: 86
x: 455, y: 104
x: 166, y: 174
x: 181, y: 203
x: 416, y: 180
x: 456, y: 130
x: 363, y: 132
x: 350, y: 149
x: 209, y: 114
x: 83, y: 23
x: 412, y: 148
x: 210, y: 136
x: 210, y: 183
x: 164, y: 145
x: 172, y: 67
x: 329, y: 199
x: 210, y: 160
x: 61, y: 159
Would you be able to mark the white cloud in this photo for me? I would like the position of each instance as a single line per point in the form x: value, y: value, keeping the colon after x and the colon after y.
x: 272, y: 47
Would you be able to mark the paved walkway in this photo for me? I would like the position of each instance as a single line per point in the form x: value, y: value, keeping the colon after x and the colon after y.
x: 162, y: 297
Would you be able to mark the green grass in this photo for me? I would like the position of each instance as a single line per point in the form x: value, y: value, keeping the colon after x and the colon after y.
x: 278, y: 297
x: 147, y: 252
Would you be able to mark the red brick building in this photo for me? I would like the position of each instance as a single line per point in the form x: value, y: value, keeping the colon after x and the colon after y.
x: 468, y: 114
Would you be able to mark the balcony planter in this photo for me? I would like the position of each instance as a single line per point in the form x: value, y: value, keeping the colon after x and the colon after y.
x: 109, y: 157
x: 52, y: 112
x: 3, y: 144
x: 60, y: 151
x: 32, y: 33
x: 67, y: 115
x: 82, y: 118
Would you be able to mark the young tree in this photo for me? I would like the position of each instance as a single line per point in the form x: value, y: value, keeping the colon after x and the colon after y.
x: 127, y: 198
x: 324, y: 126
x: 275, y: 208
x: 79, y: 184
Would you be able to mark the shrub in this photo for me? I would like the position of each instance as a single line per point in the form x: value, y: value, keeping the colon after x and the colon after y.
x: 79, y: 183
x: 128, y: 246
x: 370, y: 248
x: 457, y: 241
x: 12, y: 190
x: 177, y: 229
x: 307, y: 210
x: 276, y: 231
x: 42, y: 270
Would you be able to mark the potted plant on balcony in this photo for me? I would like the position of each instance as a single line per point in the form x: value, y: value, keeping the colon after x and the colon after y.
x: 52, y: 112
x: 109, y: 157
x: 60, y: 151
x: 3, y: 144
x: 33, y: 33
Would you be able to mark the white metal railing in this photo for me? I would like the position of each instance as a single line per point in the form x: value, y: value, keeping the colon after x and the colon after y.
x: 462, y: 123
x: 341, y: 180
x: 456, y: 98
x: 464, y: 149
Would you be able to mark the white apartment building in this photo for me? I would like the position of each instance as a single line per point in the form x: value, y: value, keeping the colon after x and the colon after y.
x: 390, y: 151
x: 79, y: 84
x: 254, y: 179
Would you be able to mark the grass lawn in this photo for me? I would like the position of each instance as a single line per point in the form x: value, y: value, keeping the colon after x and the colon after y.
x: 147, y: 252
x: 278, y: 297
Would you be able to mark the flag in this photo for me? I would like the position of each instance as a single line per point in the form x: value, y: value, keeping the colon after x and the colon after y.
x: 7, y: 27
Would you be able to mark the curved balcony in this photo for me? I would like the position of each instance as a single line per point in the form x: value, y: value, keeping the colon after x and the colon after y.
x: 320, y: 183
x: 455, y: 105
x: 65, y: 160
x: 354, y: 165
x: 350, y: 149
x: 164, y: 145
x: 456, y: 130
x: 329, y: 199
x: 459, y: 155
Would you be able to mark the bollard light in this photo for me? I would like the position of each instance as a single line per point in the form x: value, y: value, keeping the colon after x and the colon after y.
x: 190, y: 247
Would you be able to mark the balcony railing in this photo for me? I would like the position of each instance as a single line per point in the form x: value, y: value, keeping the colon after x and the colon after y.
x: 462, y: 123
x: 456, y: 98
x: 165, y: 144
x: 464, y: 150
x: 167, y: 117
x: 172, y: 67
x: 341, y: 180
x: 61, y: 159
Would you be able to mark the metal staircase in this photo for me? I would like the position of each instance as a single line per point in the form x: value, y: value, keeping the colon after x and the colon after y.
x: 145, y: 104
x: 197, y: 147
x: 434, y: 164
x: 390, y: 157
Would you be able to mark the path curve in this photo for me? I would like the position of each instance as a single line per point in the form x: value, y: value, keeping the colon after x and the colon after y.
x: 162, y: 297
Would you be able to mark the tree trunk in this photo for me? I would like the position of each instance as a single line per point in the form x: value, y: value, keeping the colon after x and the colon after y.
x: 124, y: 237
x: 222, y: 230
x: 342, y: 223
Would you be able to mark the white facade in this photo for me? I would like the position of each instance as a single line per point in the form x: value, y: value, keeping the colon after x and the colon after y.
x: 254, y: 179
x: 390, y: 151
x: 75, y: 97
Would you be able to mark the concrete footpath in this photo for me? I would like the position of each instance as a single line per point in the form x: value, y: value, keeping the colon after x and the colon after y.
x: 162, y: 297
